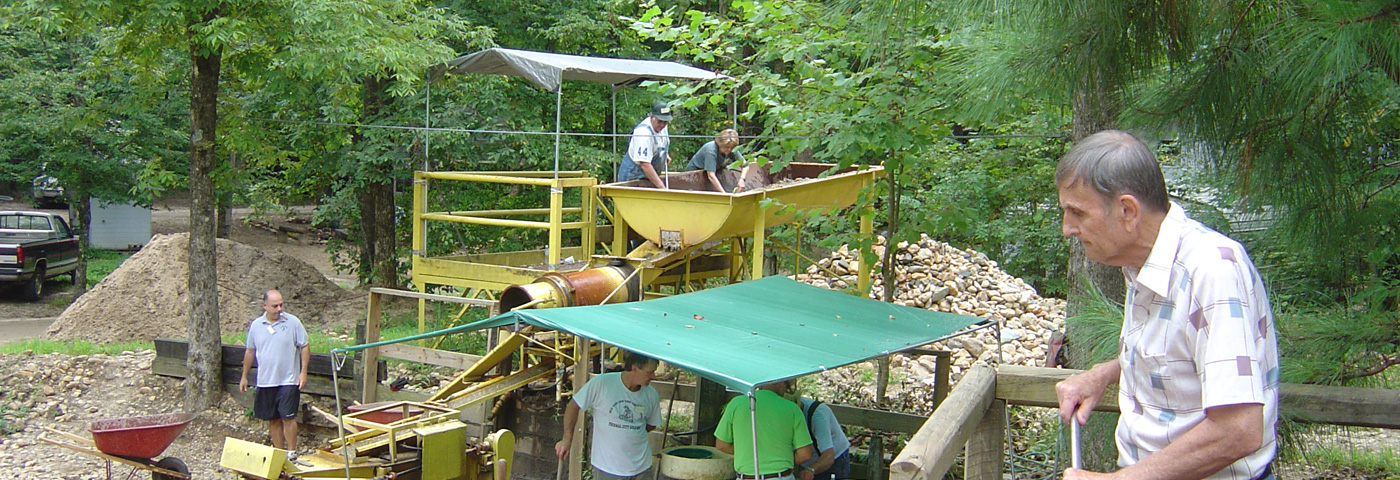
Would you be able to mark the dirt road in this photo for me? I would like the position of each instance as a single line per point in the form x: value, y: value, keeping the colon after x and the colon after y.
x: 23, y: 328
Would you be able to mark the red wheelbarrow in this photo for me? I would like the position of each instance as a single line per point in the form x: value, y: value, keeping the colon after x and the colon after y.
x: 134, y: 441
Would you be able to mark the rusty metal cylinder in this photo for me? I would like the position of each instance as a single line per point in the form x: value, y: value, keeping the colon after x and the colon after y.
x: 571, y: 289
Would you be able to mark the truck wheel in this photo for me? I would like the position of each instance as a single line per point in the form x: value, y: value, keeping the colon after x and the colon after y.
x: 35, y: 288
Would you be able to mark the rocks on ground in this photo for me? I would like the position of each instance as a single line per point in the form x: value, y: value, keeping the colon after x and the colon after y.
x: 69, y: 392
x: 934, y: 275
x: 147, y: 297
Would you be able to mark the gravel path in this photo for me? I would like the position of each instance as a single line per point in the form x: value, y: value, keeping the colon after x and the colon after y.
x: 67, y: 393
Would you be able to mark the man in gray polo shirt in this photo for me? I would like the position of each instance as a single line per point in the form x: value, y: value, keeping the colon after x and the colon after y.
x: 278, y: 342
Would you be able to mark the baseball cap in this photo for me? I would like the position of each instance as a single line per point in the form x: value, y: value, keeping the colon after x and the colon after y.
x: 661, y: 110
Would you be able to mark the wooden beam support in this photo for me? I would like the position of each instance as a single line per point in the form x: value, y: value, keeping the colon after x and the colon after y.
x: 930, y: 453
x: 368, y: 380
x: 710, y: 398
x: 1350, y: 406
x: 430, y: 356
x: 983, y: 460
x: 433, y: 296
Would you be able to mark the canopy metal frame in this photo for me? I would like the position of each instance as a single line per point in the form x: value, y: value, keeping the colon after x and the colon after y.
x: 549, y: 70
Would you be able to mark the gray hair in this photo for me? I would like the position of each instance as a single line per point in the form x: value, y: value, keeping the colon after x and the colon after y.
x: 1114, y: 162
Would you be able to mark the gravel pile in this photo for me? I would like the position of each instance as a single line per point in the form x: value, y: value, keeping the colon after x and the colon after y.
x: 148, y: 296
x: 68, y: 393
x: 934, y: 275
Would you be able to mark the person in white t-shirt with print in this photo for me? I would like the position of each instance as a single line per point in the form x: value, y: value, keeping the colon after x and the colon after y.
x: 625, y: 408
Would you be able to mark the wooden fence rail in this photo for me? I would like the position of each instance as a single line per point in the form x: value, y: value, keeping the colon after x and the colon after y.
x: 972, y: 417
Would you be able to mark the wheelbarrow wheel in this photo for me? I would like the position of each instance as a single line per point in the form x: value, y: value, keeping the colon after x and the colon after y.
x: 172, y: 464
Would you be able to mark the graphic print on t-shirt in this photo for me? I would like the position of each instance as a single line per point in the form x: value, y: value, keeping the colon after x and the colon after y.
x: 632, y: 413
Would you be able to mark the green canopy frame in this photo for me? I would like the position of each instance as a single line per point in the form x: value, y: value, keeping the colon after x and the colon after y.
x: 743, y: 335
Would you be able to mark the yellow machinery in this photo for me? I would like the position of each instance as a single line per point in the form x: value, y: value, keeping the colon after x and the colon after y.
x: 687, y: 234
x: 690, y: 232
x: 437, y: 436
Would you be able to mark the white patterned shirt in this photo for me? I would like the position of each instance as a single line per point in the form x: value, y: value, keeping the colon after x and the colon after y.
x: 1197, y: 333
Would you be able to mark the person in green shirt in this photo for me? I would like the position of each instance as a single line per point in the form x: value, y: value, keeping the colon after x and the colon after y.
x: 717, y: 154
x: 783, y: 440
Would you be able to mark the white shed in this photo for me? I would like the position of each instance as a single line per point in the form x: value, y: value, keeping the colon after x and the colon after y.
x: 118, y: 226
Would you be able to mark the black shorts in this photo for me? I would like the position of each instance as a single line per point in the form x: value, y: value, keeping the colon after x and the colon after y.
x: 270, y: 403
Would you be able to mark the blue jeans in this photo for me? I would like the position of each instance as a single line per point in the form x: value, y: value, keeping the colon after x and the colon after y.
x: 628, y: 170
x: 840, y: 468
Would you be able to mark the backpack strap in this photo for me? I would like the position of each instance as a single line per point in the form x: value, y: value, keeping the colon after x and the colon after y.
x: 812, y: 408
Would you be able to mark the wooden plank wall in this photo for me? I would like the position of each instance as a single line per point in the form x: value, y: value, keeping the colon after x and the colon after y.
x: 171, y: 355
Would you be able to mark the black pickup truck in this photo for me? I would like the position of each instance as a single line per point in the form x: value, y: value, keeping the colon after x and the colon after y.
x: 36, y: 246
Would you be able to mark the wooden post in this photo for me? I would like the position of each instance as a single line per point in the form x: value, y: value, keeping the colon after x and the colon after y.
x: 369, y: 380
x: 942, y: 376
x: 582, y: 346
x: 931, y: 451
x: 709, y: 406
x: 983, y: 459
x: 875, y: 460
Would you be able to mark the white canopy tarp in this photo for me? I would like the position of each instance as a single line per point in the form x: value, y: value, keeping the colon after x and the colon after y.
x: 548, y: 70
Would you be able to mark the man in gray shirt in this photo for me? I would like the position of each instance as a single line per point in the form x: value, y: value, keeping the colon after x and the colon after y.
x: 278, y: 342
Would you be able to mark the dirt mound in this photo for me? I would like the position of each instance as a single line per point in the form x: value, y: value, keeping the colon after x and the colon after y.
x: 147, y: 297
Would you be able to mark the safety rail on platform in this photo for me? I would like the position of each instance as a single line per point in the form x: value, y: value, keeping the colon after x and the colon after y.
x: 497, y: 270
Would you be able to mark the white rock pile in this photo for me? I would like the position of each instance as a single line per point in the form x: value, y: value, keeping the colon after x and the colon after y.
x: 934, y: 275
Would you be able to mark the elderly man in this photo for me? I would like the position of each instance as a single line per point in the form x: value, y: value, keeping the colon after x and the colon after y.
x: 649, y: 146
x: 278, y: 342
x: 1197, y: 364
x: 783, y: 440
x: 625, y: 407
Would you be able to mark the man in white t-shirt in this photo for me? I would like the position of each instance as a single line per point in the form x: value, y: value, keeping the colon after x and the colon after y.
x: 649, y: 147
x: 624, y: 407
x: 1197, y: 366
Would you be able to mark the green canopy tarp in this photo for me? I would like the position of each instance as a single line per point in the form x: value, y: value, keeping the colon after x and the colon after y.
x: 749, y: 333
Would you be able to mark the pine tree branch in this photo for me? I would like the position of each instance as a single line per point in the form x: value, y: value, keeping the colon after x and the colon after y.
x: 1384, y: 61
x: 1386, y: 361
x: 1370, y: 18
x: 1367, y: 199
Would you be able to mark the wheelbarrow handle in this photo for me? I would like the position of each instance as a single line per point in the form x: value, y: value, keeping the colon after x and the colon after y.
x: 1076, y: 453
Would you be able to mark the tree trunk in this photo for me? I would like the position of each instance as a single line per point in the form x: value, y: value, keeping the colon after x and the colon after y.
x: 1096, y: 108
x: 887, y: 270
x: 204, y: 386
x: 378, y: 262
x: 225, y: 214
x: 80, y: 214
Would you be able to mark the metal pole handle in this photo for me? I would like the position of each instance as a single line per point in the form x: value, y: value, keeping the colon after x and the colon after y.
x: 1076, y: 454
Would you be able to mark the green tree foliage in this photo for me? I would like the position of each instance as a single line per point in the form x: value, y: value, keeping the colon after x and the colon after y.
x: 83, y: 119
x: 268, y: 45
x: 815, y: 87
x: 870, y: 84
x: 1293, y: 106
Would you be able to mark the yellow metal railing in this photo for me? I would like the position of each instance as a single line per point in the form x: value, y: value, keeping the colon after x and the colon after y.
x: 554, y: 213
